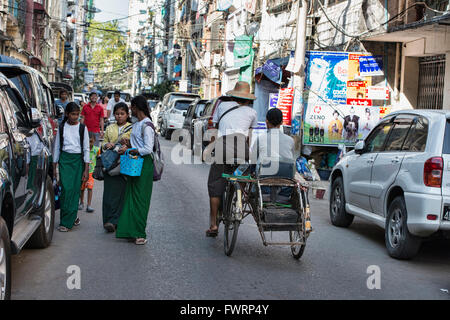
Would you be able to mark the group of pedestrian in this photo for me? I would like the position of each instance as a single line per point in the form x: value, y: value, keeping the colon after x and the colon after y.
x: 126, y: 200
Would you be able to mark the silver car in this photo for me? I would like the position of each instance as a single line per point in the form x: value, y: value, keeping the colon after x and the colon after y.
x: 399, y: 179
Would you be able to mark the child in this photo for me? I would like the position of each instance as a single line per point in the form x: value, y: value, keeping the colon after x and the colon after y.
x: 72, y: 153
x: 89, y: 184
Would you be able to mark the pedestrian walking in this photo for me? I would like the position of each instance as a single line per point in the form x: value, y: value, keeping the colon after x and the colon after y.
x: 233, y: 119
x: 92, y: 117
x: 111, y: 104
x: 133, y: 219
x: 89, y: 184
x: 115, y: 186
x: 71, y: 152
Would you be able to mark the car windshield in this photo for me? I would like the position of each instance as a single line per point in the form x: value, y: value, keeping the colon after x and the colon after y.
x: 182, y: 105
x: 152, y: 104
x: 178, y: 96
x: 124, y: 96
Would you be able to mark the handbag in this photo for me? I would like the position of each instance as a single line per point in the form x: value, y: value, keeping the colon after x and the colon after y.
x: 131, y: 165
x: 98, y: 170
x: 109, y: 159
x: 115, y: 171
x: 57, y: 193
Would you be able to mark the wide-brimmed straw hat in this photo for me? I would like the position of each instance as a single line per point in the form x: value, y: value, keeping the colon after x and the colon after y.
x: 241, y: 90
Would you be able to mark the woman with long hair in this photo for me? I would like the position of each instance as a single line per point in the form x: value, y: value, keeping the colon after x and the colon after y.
x: 114, y: 186
x: 133, y: 219
x: 72, y: 154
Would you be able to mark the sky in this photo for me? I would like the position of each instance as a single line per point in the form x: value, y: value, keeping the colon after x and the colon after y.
x: 112, y: 9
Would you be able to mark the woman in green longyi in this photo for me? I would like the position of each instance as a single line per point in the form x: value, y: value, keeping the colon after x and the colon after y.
x: 133, y: 219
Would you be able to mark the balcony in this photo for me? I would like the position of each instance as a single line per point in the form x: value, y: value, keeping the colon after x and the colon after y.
x: 277, y: 6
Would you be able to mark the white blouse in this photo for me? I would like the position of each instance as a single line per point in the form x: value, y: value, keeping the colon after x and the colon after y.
x: 142, y: 137
x: 72, y: 142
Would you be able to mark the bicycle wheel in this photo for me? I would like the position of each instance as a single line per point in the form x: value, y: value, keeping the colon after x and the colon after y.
x: 231, y: 226
x: 297, y: 251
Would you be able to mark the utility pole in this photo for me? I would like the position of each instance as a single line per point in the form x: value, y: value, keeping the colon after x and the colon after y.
x: 300, y: 51
x: 299, y: 68
x: 154, y: 50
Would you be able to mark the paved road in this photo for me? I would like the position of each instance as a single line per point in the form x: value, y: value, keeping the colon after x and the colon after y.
x: 179, y: 262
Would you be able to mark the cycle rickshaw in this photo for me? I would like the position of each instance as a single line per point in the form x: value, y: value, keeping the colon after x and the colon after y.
x: 259, y: 197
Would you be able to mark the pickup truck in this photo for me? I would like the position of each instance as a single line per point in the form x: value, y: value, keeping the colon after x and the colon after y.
x: 27, y: 210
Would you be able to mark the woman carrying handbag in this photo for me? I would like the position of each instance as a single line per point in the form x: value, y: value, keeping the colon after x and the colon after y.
x: 133, y: 219
x: 115, y: 185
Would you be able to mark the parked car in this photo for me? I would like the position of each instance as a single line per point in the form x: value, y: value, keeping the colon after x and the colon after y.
x: 26, y: 190
x: 173, y: 117
x: 399, y: 179
x: 194, y: 111
x: 37, y: 94
x: 204, y: 123
x: 125, y: 96
x: 168, y: 98
x: 80, y: 97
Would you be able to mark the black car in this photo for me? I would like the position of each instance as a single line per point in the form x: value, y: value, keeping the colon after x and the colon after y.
x: 194, y: 111
x: 26, y: 190
x: 38, y: 94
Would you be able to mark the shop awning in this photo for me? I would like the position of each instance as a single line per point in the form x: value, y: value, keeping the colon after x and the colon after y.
x: 413, y: 31
x: 37, y: 61
x: 272, y: 69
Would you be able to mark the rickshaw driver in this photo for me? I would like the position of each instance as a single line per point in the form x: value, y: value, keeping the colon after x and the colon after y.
x: 233, y: 119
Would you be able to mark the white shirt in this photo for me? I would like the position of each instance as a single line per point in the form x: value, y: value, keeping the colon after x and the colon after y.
x: 274, y: 145
x: 72, y: 142
x: 110, y: 106
x: 142, y: 137
x: 239, y: 120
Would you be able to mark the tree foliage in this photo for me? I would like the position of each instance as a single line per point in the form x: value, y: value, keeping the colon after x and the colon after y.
x: 109, y: 57
x: 162, y: 88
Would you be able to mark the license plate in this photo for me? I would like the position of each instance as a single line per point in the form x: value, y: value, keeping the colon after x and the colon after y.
x: 446, y: 216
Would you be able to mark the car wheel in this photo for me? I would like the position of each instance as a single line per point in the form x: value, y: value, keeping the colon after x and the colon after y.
x: 162, y: 130
x: 399, y: 242
x: 43, y: 236
x: 338, y: 215
x: 5, y: 262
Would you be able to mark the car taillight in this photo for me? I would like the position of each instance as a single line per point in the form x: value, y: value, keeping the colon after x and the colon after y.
x: 432, y: 172
x: 210, y: 124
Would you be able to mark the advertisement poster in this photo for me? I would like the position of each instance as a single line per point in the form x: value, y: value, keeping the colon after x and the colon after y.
x: 371, y: 66
x: 339, y: 107
x: 285, y: 101
x: 326, y: 75
x: 346, y: 124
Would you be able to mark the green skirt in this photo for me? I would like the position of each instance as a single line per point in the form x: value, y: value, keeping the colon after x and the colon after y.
x: 113, y: 197
x: 133, y: 220
x: 71, y: 167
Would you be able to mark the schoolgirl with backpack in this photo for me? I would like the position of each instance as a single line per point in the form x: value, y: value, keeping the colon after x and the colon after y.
x: 71, y: 153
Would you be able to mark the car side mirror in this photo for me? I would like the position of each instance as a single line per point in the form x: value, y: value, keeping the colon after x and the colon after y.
x: 59, y: 111
x: 36, y: 118
x: 184, y: 113
x: 359, y: 147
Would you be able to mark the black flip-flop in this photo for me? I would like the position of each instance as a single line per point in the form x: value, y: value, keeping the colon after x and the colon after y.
x: 212, y: 233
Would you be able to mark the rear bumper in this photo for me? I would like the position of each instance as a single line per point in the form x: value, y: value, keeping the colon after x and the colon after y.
x: 418, y: 207
x: 173, y: 124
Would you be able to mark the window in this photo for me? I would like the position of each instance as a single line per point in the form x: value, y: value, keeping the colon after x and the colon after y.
x: 398, y: 135
x: 23, y: 83
x: 375, y: 141
x: 200, y: 107
x: 14, y: 8
x: 417, y: 136
x: 182, y: 105
x: 17, y: 107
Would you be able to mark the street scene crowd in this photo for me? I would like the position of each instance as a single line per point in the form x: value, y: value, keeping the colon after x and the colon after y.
x: 176, y: 127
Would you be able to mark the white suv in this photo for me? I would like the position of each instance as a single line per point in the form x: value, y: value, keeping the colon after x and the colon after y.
x: 173, y: 116
x: 399, y: 179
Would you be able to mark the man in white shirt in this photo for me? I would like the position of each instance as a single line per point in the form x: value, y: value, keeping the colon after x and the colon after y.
x: 111, y: 104
x: 274, y: 149
x: 234, y: 119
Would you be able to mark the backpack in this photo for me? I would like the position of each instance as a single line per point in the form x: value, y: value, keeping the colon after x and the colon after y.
x: 61, y: 135
x: 158, y: 159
